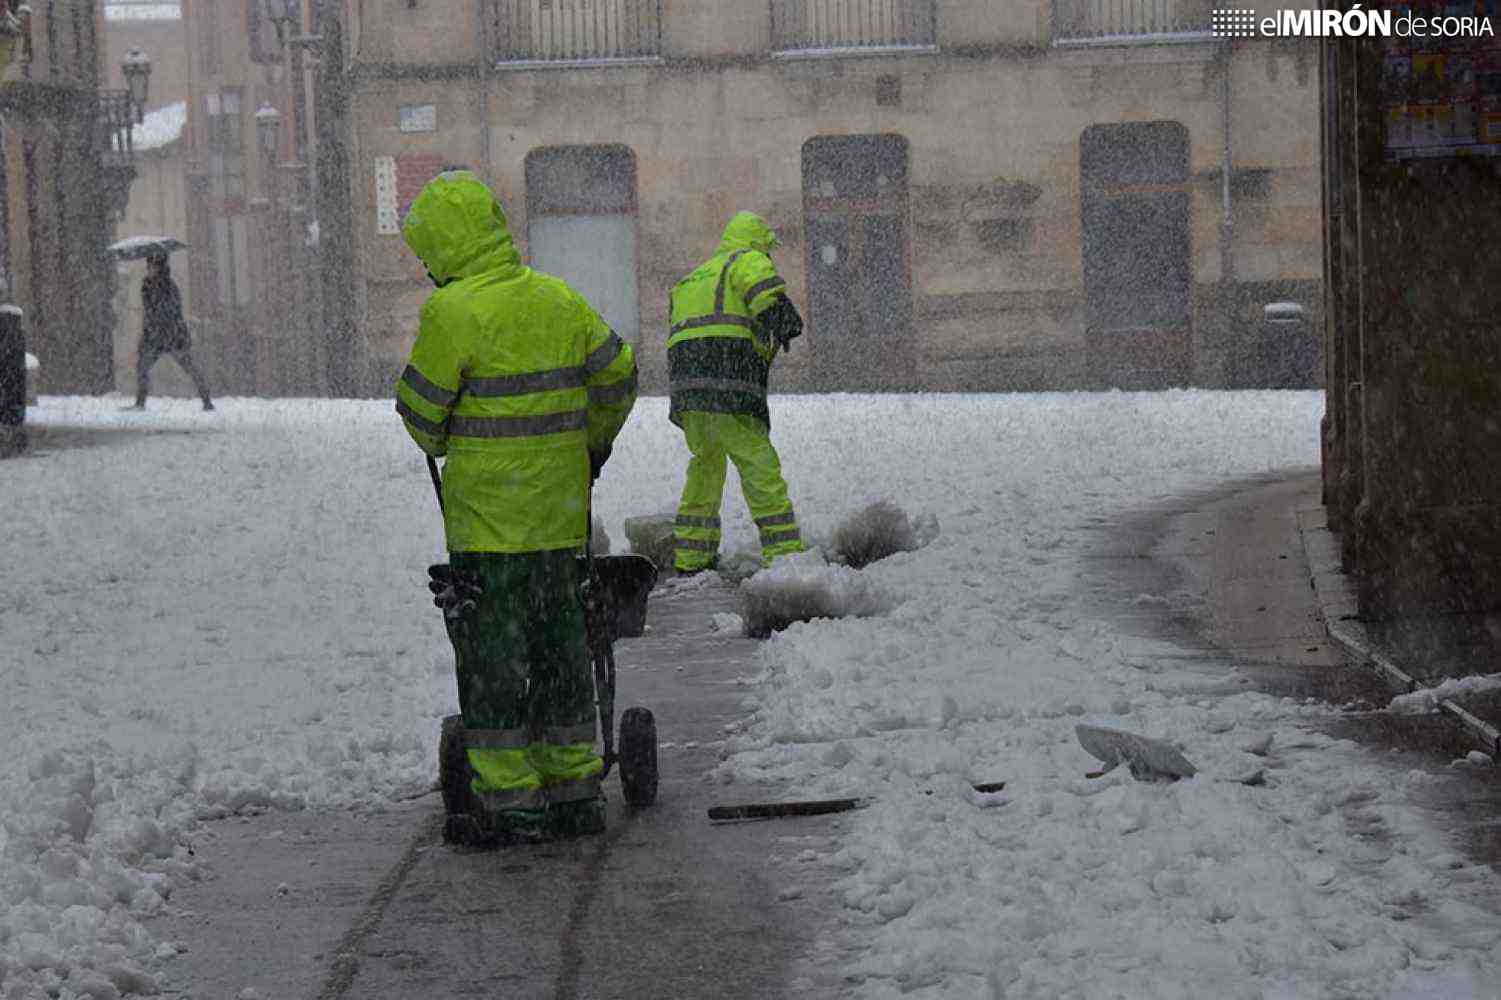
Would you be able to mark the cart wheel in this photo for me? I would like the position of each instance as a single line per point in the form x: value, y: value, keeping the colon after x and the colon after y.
x: 638, y: 756
x: 453, y: 767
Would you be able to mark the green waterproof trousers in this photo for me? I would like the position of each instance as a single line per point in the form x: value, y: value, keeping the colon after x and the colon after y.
x: 526, y: 692
x: 745, y: 440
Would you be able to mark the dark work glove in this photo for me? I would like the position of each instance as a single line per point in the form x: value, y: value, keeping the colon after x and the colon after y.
x: 455, y: 591
x: 780, y: 322
x: 597, y: 460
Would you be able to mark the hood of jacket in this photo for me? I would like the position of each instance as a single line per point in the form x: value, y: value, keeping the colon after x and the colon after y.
x: 458, y: 229
x: 747, y: 231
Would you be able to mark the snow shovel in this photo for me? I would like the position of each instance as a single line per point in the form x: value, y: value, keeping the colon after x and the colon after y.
x: 814, y: 807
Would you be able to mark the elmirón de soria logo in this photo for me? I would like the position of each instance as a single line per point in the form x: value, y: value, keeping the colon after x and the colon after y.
x: 1356, y: 22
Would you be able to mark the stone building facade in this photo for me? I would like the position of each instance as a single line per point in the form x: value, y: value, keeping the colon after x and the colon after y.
x: 66, y: 179
x: 1412, y: 431
x: 972, y: 196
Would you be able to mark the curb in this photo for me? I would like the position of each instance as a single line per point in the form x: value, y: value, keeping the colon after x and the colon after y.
x: 1335, y: 597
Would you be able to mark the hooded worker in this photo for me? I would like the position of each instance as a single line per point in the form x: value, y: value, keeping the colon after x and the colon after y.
x: 730, y: 317
x: 523, y: 387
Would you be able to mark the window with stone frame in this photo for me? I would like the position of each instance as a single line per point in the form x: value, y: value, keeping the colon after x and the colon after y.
x: 210, y: 50
x: 226, y: 143
x: 261, y: 30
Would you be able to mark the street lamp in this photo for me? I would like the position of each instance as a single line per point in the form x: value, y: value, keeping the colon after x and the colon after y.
x: 137, y: 69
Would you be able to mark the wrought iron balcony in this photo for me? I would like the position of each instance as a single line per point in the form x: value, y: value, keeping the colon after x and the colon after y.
x: 116, y: 118
x: 1126, y: 22
x: 555, y: 31
x: 852, y: 25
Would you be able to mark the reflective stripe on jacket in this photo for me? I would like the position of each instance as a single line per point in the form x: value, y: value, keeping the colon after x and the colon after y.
x: 717, y: 360
x: 514, y: 377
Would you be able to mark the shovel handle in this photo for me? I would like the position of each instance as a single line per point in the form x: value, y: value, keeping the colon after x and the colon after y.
x: 432, y: 470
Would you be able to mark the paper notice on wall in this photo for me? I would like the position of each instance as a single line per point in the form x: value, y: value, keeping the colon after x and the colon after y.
x: 386, y: 221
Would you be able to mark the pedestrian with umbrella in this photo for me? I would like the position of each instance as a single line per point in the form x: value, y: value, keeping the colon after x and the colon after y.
x: 164, y: 330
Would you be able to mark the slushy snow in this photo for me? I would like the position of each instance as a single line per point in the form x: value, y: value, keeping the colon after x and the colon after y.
x: 1426, y: 700
x: 230, y: 613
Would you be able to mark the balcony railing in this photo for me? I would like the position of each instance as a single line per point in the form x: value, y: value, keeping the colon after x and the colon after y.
x: 811, y: 25
x: 577, y: 30
x: 1124, y: 21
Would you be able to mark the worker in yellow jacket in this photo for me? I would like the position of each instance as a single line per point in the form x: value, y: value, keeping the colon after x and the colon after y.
x: 730, y: 317
x: 520, y: 384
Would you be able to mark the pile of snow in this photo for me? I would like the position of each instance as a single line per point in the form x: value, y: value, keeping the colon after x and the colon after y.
x: 162, y: 126
x: 1426, y: 700
x: 877, y: 531
x: 803, y: 586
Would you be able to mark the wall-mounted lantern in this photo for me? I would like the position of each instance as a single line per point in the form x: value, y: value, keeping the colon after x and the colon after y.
x: 137, y: 69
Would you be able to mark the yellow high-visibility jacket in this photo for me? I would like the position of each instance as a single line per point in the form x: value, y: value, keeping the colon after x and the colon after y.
x: 514, y: 377
x: 718, y: 359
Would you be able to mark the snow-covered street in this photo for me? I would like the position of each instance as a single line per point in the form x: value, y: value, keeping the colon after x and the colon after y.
x: 232, y: 613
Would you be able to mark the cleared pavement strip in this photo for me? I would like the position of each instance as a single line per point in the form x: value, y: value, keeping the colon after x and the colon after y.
x: 373, y: 905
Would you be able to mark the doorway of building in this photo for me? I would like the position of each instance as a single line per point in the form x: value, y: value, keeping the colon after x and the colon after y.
x: 581, y: 226
x: 1138, y: 275
x: 858, y: 255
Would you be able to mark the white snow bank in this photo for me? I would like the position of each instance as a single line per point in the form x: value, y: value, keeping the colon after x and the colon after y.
x: 1426, y: 700
x: 237, y: 617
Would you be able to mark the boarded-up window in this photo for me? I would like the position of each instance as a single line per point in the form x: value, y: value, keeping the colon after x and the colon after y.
x: 855, y: 206
x: 1138, y: 278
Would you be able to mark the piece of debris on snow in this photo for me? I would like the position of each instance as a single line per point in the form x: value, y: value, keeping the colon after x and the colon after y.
x: 1149, y: 759
x: 1426, y: 700
x: 726, y: 622
x: 803, y: 586
x: 877, y: 531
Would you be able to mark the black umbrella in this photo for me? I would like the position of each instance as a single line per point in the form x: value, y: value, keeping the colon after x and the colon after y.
x: 138, y: 247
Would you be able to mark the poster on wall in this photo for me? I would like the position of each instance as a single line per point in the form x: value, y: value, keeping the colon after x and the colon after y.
x: 1441, y: 94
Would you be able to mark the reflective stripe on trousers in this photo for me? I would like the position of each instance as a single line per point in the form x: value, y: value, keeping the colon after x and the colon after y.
x: 540, y: 773
x: 572, y: 790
